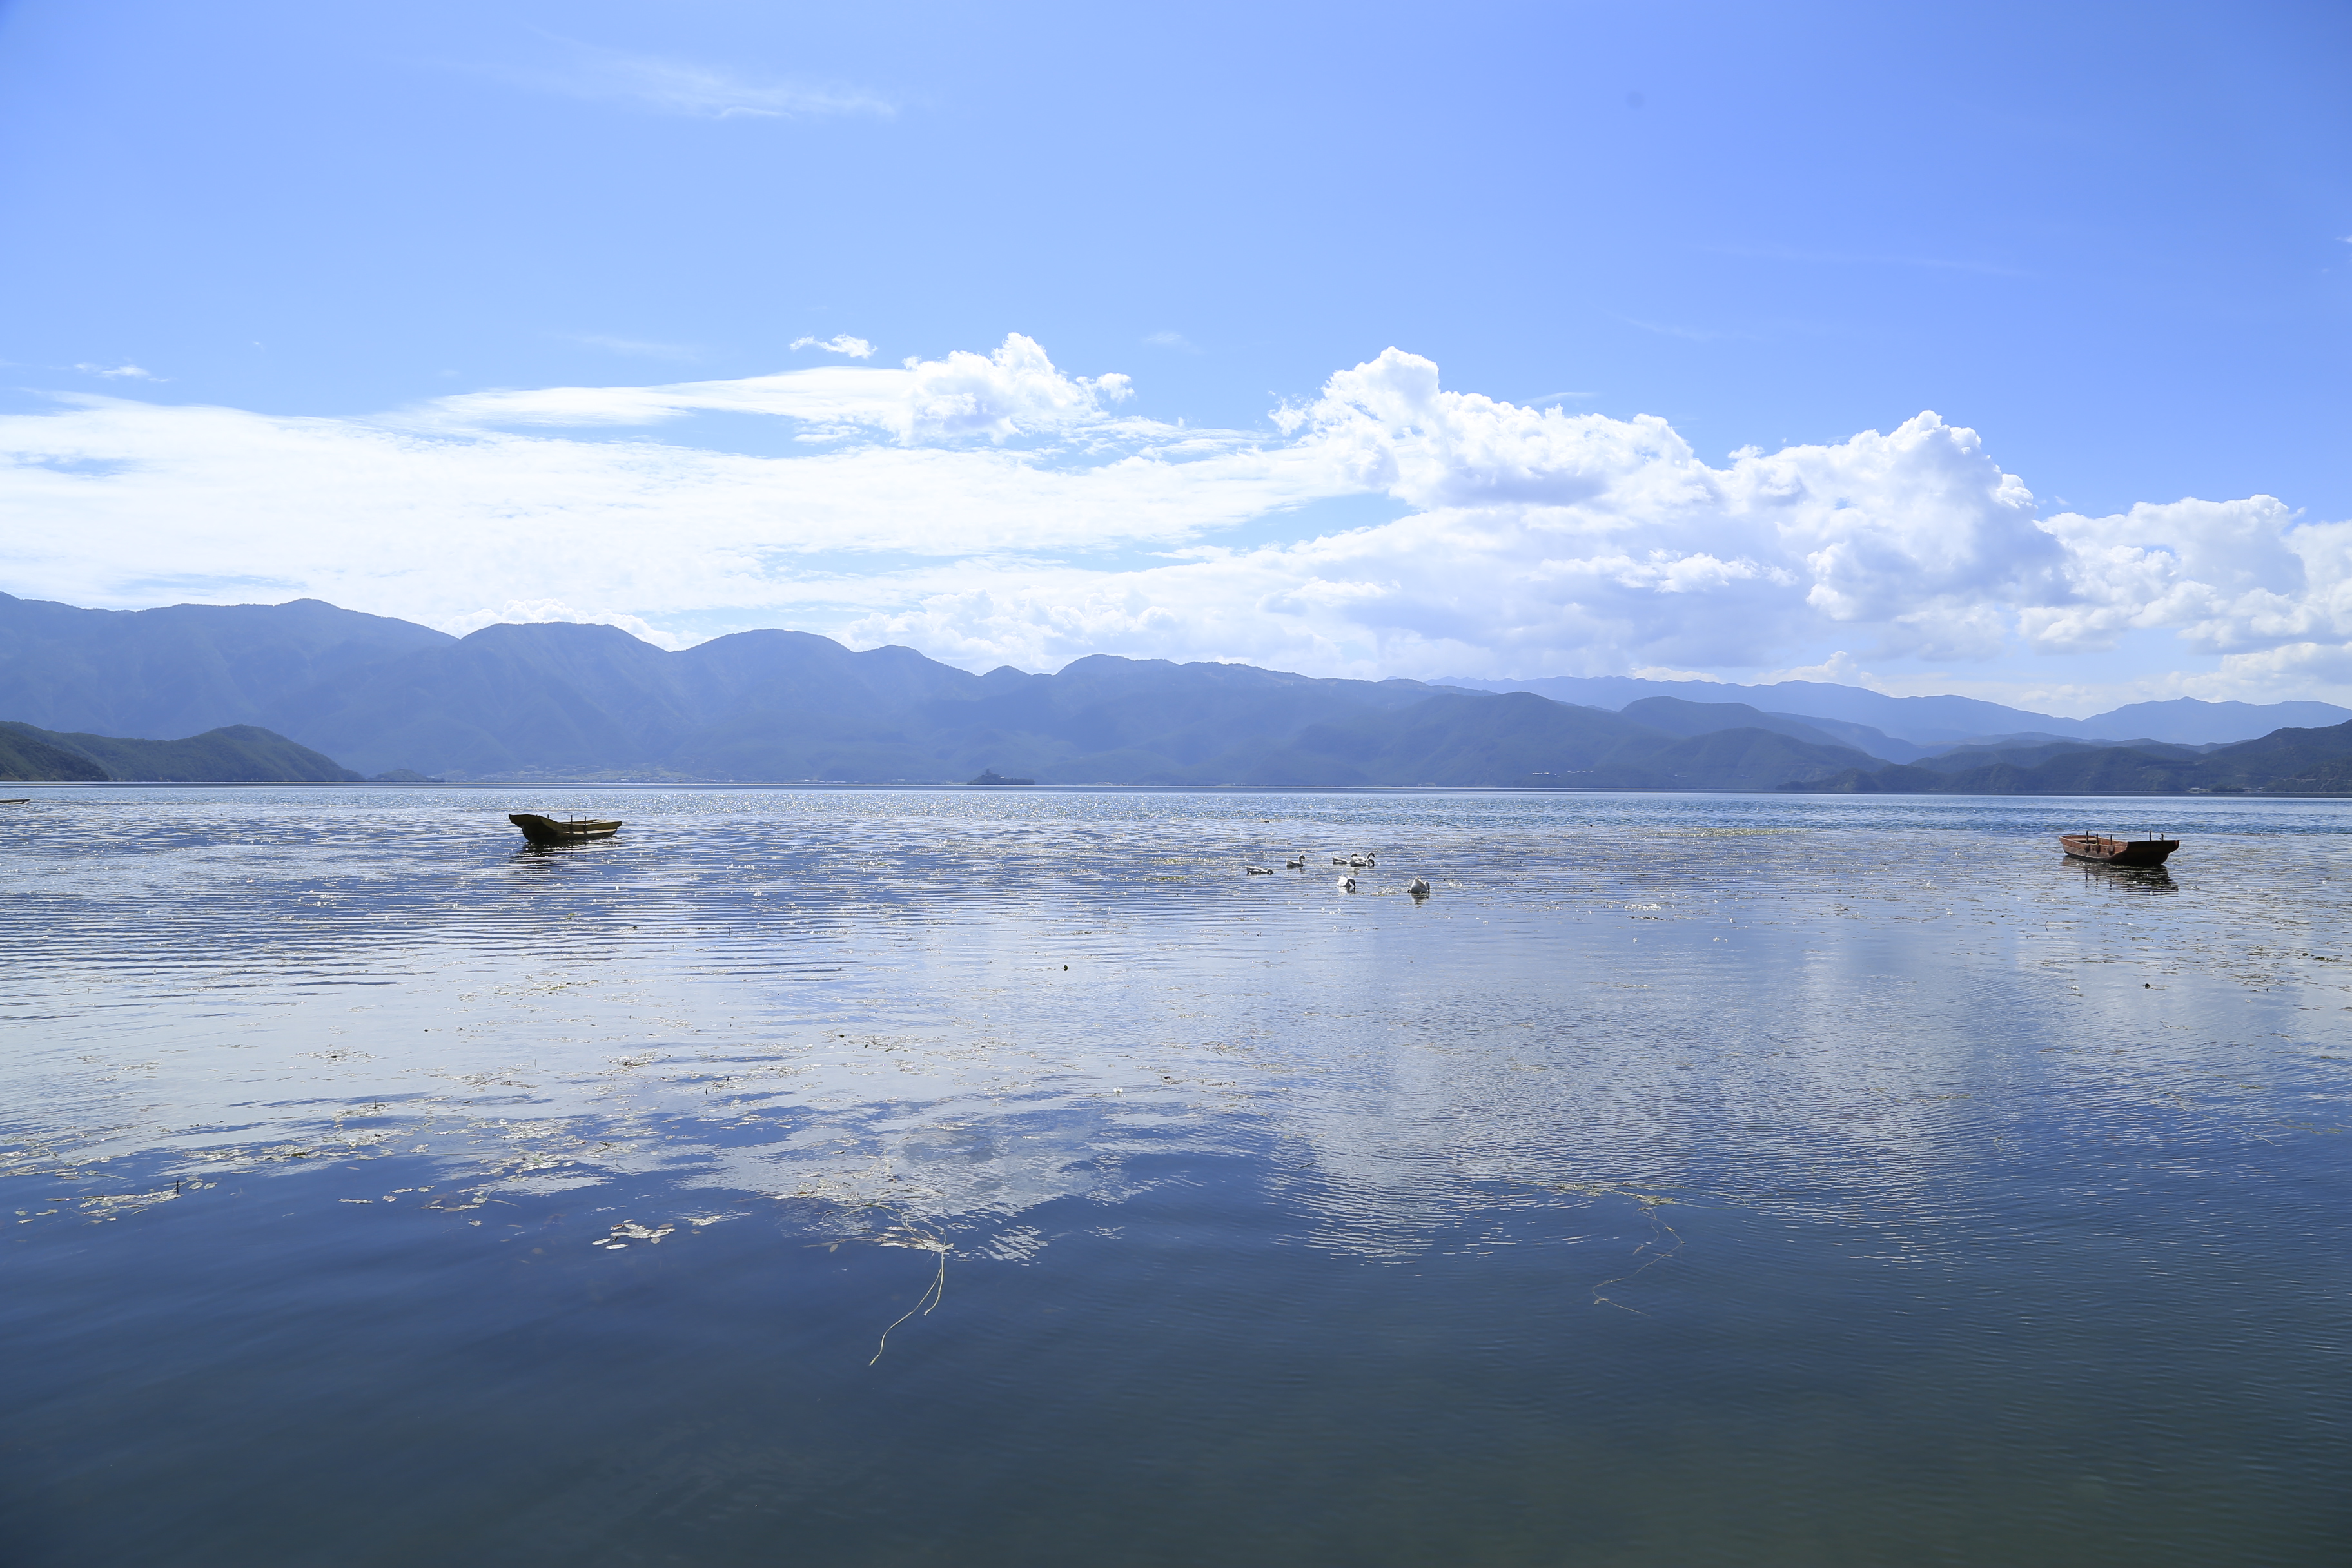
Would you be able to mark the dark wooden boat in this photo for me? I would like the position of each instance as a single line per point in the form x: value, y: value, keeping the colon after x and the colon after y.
x: 2148, y: 851
x: 568, y: 830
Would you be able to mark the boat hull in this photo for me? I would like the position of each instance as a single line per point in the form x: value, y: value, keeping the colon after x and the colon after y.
x: 556, y: 830
x: 2106, y: 851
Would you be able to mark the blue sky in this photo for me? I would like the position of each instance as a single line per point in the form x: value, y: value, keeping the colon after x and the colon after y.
x: 267, y: 260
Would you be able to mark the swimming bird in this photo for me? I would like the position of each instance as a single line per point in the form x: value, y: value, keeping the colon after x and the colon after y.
x: 1359, y: 861
x: 1346, y: 884
x: 1257, y: 870
x: 1420, y: 888
x: 1339, y: 859
x: 1297, y: 865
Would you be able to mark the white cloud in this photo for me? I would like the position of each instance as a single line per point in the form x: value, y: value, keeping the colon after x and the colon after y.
x: 992, y: 508
x: 2228, y: 578
x: 839, y: 344
x: 125, y: 372
x: 1015, y: 392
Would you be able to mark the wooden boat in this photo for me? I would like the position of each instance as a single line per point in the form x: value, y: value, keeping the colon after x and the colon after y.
x: 570, y: 830
x: 2148, y: 851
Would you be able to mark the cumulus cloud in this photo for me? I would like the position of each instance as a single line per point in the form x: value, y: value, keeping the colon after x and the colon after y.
x: 992, y: 508
x: 1556, y: 532
x: 2230, y: 577
x: 839, y: 344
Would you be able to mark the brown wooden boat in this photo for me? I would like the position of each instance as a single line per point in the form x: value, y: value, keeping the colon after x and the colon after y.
x: 568, y: 830
x: 2148, y: 851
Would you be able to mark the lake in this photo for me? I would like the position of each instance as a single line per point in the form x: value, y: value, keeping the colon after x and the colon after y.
x: 972, y: 1178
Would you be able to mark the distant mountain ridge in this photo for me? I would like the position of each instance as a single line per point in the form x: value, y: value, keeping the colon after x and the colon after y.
x: 26, y: 756
x: 582, y: 700
x: 562, y: 701
x: 236, y: 754
x: 1681, y: 717
x: 559, y: 700
x: 1940, y: 721
x: 184, y: 668
x: 2285, y: 762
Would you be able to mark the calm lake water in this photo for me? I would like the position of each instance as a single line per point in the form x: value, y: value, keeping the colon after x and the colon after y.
x: 959, y: 1179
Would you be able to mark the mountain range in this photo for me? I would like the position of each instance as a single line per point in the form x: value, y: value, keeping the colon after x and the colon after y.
x: 574, y: 701
x: 236, y: 754
x: 2284, y: 762
x: 1943, y: 720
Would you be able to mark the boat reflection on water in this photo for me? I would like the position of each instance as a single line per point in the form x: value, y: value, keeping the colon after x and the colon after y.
x: 2129, y: 879
x: 530, y: 852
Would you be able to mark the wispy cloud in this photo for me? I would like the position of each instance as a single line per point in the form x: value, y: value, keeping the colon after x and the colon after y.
x: 687, y: 87
x: 641, y: 348
x: 1015, y: 393
x: 125, y: 372
x: 1688, y: 334
x: 839, y: 344
x: 1171, y: 340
